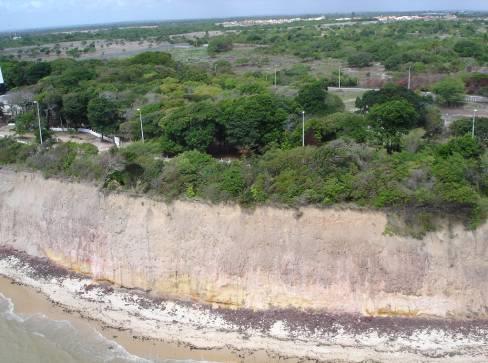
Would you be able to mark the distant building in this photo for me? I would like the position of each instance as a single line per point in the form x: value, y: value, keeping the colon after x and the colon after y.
x: 3, y: 87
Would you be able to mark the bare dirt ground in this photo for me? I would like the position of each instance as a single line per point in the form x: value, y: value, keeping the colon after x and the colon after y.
x: 104, y: 49
x: 451, y: 114
x: 82, y: 139
x: 6, y: 131
x: 349, y: 97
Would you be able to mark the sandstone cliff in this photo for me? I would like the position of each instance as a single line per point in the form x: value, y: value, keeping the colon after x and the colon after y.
x: 338, y: 261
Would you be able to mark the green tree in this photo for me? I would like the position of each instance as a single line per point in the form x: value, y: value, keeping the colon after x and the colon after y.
x: 37, y: 71
x: 153, y: 58
x: 222, y: 66
x: 75, y: 108
x: 449, y: 91
x: 103, y: 115
x: 24, y: 122
x: 337, y: 125
x: 220, y: 45
x: 468, y: 48
x: 312, y: 97
x: 392, y: 120
x: 464, y: 127
x: 393, y: 92
x: 73, y: 74
x: 252, y: 122
x: 360, y: 59
x: 191, y: 127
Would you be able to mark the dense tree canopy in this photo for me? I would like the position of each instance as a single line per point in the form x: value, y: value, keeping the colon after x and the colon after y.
x: 103, y: 115
x: 360, y: 59
x: 449, y: 91
x: 391, y: 120
x: 75, y: 108
x: 197, y: 109
x: 312, y: 97
x: 252, y: 122
x: 191, y: 127
x: 220, y: 45
x: 153, y: 58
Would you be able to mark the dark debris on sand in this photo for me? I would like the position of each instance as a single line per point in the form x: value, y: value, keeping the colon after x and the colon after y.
x: 296, y: 320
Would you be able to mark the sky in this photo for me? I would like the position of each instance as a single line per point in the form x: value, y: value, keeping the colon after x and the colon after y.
x: 30, y: 14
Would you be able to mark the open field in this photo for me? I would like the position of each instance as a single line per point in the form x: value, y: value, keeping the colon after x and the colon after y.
x: 349, y: 97
x: 96, y: 49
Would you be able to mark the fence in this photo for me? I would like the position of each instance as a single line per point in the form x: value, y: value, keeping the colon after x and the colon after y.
x: 476, y: 99
x: 115, y: 140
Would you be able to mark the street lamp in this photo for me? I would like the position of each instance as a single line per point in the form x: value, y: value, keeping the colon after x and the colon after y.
x: 409, y: 76
x: 340, y: 70
x: 39, y: 121
x: 142, y: 130
x: 303, y: 128
x: 474, y: 121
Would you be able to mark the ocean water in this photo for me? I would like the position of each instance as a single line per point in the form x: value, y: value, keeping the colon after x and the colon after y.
x: 37, y: 339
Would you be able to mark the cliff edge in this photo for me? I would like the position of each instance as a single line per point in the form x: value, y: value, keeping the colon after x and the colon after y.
x: 328, y: 260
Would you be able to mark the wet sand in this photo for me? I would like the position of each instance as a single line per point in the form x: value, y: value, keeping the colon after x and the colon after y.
x: 28, y: 301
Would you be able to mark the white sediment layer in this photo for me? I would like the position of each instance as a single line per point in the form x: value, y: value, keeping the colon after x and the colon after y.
x: 204, y: 328
x: 334, y: 260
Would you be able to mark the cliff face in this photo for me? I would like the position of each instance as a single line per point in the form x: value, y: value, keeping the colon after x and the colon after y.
x: 339, y: 261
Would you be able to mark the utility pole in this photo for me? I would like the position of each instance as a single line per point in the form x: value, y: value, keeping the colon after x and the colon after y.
x: 340, y: 76
x: 39, y: 121
x: 474, y: 121
x: 142, y: 129
x: 409, y: 76
x: 303, y: 128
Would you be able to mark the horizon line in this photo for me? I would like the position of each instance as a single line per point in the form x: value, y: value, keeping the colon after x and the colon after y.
x: 113, y: 24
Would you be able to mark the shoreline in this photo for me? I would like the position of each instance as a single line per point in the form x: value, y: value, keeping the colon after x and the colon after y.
x: 28, y: 301
x: 243, y: 336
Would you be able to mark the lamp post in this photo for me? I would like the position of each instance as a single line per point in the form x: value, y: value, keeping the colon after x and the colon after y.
x: 409, y: 76
x: 142, y: 129
x: 340, y: 70
x: 39, y: 121
x: 474, y: 121
x: 303, y: 128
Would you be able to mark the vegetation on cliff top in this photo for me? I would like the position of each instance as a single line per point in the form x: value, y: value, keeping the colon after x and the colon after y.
x: 393, y: 152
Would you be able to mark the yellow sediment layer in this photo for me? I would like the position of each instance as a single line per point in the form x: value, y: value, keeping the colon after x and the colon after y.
x: 322, y: 259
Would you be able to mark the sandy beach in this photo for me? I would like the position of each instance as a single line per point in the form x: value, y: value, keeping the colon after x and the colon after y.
x: 200, y: 332
x: 29, y: 301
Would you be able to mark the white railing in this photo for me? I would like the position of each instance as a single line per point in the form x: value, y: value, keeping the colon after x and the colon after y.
x: 115, y: 140
x: 476, y: 99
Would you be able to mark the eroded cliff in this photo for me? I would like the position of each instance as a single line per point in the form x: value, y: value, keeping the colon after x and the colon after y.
x: 338, y: 261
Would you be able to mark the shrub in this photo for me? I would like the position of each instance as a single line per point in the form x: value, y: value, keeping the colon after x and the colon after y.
x: 449, y: 91
x: 464, y: 126
x: 360, y: 59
